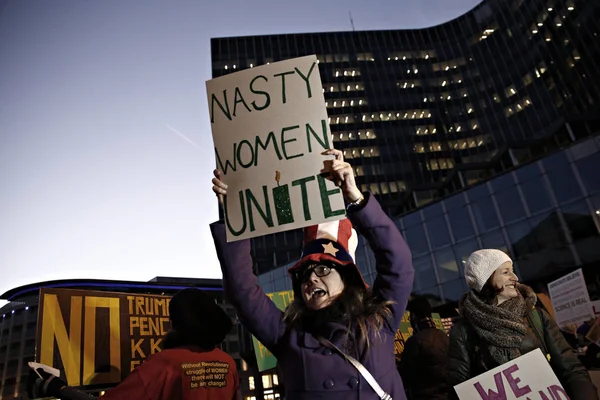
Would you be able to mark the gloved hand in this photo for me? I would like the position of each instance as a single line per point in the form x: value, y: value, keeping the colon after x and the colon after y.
x: 47, y: 386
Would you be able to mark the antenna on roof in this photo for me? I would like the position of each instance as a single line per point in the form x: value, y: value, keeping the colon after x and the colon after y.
x: 351, y: 20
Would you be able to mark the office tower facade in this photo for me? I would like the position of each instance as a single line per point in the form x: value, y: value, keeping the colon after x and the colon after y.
x: 424, y: 113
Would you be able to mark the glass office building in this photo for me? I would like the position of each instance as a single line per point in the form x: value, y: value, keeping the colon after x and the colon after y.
x: 545, y: 214
x: 422, y: 114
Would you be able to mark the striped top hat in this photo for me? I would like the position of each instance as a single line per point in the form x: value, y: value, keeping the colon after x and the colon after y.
x: 332, y: 243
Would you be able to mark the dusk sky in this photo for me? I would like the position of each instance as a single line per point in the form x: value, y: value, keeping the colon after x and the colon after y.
x: 97, y: 179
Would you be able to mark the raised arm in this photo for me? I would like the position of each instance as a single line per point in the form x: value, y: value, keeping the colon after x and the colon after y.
x: 395, y: 272
x: 256, y: 311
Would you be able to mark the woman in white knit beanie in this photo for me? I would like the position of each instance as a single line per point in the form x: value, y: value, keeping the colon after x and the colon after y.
x: 500, y: 323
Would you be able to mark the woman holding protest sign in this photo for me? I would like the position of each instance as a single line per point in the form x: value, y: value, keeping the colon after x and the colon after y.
x: 501, y: 323
x: 336, y: 331
x: 190, y: 366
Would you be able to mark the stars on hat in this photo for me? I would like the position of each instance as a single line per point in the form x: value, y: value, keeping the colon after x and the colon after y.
x: 329, y: 248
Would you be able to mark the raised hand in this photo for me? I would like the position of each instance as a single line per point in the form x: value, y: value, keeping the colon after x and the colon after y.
x: 219, y: 187
x: 342, y: 175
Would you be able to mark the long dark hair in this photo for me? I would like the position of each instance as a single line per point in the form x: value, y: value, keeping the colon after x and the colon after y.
x: 489, y: 292
x: 355, y: 306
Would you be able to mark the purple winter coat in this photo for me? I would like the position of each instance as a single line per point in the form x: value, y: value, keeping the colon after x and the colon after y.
x: 310, y: 370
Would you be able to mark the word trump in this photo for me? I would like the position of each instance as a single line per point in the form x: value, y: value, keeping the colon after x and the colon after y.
x: 148, y: 324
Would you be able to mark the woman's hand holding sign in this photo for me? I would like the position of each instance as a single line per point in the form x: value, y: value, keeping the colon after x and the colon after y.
x: 336, y: 170
x: 342, y: 175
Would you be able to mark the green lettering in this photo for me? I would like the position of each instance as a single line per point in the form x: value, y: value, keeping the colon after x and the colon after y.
x: 283, y: 205
x: 306, y: 78
x: 267, y: 97
x: 227, y: 162
x: 258, y: 143
x: 239, y: 153
x: 225, y: 110
x: 283, y: 142
x: 325, y: 143
x: 242, y: 209
x: 283, y: 74
x: 238, y: 98
x: 266, y: 216
x: 302, y: 183
x: 327, y: 212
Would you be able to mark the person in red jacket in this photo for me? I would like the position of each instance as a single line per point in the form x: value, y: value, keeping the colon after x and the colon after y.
x: 190, y: 367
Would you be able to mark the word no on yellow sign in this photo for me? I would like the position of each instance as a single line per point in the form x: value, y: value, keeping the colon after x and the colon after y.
x: 98, y: 338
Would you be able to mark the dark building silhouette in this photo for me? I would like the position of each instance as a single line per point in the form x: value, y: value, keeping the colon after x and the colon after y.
x: 425, y: 113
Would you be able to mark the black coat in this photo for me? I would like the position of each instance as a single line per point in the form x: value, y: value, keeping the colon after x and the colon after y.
x: 423, y: 365
x: 469, y: 357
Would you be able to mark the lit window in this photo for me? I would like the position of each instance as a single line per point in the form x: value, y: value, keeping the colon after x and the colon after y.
x: 364, y: 117
x: 425, y: 100
x: 416, y: 71
x: 226, y: 67
x: 346, y: 120
x: 427, y: 56
x: 331, y: 89
x: 337, y: 73
x: 343, y: 103
x: 351, y: 102
x: 335, y: 103
x: 251, y: 65
x: 348, y: 88
x: 360, y: 102
x: 540, y: 24
x: 447, y: 67
x: 570, y: 8
x: 534, y: 31
x: 449, y: 97
x: 474, y: 127
x: 444, y: 83
x: 368, y: 133
x: 233, y: 66
x: 267, y: 382
x: 251, y: 383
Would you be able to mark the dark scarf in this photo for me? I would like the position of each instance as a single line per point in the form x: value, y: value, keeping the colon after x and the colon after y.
x: 316, y: 321
x: 502, y: 327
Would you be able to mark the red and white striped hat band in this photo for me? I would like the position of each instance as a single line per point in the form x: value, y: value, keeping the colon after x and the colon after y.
x: 338, y: 231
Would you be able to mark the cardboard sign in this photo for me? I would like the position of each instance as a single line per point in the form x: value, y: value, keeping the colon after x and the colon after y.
x: 270, y: 128
x: 528, y: 377
x: 570, y: 299
x: 98, y: 338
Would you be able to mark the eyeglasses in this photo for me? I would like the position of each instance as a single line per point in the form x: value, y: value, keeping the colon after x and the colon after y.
x: 319, y: 270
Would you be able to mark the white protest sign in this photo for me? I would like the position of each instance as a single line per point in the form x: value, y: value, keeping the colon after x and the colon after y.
x: 528, y: 377
x: 570, y: 299
x: 270, y: 128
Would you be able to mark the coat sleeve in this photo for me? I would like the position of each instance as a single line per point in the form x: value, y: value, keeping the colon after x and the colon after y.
x: 459, y: 360
x: 395, y: 273
x: 256, y: 311
x: 569, y: 370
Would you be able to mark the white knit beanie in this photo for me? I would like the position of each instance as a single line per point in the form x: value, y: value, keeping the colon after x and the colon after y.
x: 481, y: 265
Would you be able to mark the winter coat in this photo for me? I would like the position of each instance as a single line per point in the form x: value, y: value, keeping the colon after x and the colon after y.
x: 310, y: 370
x: 468, y: 357
x: 423, y: 365
x: 182, y: 373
